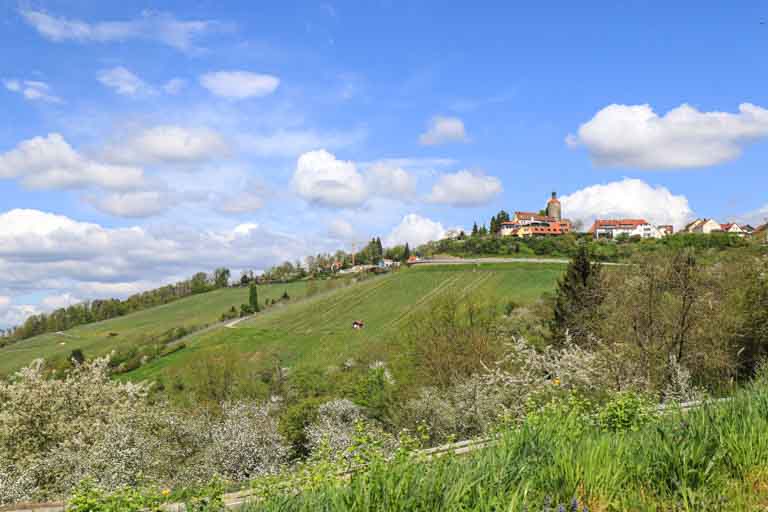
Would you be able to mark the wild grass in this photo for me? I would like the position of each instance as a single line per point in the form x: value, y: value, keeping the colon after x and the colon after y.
x: 712, y: 458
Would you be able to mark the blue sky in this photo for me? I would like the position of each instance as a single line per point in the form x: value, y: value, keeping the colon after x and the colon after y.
x: 141, y: 141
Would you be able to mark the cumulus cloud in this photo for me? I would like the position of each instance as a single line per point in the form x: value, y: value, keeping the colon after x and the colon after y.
x: 50, y: 163
x: 443, y: 130
x: 168, y: 144
x: 340, y: 229
x: 138, y: 204
x: 174, y: 85
x: 465, y: 189
x: 322, y: 179
x: 32, y: 90
x: 628, y: 198
x: 391, y: 181
x: 124, y: 82
x: 151, y: 26
x: 635, y: 136
x: 43, y: 252
x: 60, y: 301
x: 239, y: 85
x: 291, y: 143
x: 249, y: 200
x: 415, y: 230
x: 13, y: 314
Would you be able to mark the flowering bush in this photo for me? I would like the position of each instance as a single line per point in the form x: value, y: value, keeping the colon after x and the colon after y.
x: 55, y: 433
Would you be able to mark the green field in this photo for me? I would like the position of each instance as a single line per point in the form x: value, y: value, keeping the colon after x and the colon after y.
x: 316, y: 332
x: 95, y: 340
x: 310, y: 331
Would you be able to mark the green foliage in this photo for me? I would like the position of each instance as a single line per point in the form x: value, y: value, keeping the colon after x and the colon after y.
x: 253, y: 297
x: 87, y: 497
x: 577, y: 299
x: 626, y: 411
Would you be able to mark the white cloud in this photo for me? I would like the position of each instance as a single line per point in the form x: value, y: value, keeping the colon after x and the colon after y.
x: 42, y: 252
x: 628, y: 198
x: 390, y: 181
x: 49, y: 163
x: 239, y: 85
x: 250, y: 200
x: 465, y: 189
x: 323, y: 180
x: 14, y: 314
x: 152, y: 26
x: 143, y: 203
x: 340, y: 229
x: 32, y: 90
x: 635, y: 136
x: 124, y: 82
x: 174, y: 85
x: 64, y: 300
x: 443, y: 130
x: 291, y: 143
x: 168, y: 144
x: 415, y: 230
x: 756, y: 217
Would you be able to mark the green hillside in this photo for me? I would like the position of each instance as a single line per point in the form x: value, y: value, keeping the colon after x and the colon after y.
x: 119, y: 333
x: 305, y: 332
x: 316, y: 332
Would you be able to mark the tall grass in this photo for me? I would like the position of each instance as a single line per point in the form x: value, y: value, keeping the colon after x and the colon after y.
x: 712, y: 458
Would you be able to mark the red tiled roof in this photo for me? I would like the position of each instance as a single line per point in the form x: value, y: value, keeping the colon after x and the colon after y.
x: 617, y: 223
x: 534, y: 216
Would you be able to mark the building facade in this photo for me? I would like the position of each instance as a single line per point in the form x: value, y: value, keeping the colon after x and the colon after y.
x: 527, y: 224
x: 611, y: 228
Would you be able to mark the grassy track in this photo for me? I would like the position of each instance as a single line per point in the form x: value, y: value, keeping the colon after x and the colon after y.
x: 94, y: 339
x: 316, y: 332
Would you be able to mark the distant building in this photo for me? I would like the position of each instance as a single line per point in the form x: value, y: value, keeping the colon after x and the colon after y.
x: 612, y: 228
x: 554, y: 209
x: 667, y: 229
x: 705, y: 226
x: 737, y: 229
x: 761, y: 233
x: 525, y: 224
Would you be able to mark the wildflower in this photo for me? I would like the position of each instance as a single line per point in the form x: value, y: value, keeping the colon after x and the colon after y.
x: 556, y: 381
x: 166, y: 493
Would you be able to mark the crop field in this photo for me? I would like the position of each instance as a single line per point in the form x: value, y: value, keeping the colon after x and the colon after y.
x: 118, y: 333
x: 316, y: 332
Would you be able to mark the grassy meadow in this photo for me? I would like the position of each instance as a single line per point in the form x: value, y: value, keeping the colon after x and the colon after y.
x: 95, y: 339
x: 316, y: 333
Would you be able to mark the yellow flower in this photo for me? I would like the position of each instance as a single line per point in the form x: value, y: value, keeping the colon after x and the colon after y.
x: 557, y: 382
x: 166, y: 492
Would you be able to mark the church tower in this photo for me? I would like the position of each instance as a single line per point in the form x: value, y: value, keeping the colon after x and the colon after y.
x: 553, y: 207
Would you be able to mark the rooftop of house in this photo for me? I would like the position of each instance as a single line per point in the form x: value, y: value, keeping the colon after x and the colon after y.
x: 617, y: 224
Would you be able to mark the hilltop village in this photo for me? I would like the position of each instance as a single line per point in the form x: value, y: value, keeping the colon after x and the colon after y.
x: 549, y: 222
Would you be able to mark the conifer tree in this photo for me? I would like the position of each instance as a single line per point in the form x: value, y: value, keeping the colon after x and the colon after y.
x: 474, y: 229
x: 577, y: 298
x: 253, y: 298
x: 406, y: 252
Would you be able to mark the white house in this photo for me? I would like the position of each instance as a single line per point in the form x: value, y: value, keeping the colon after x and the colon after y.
x: 612, y: 228
x: 705, y: 226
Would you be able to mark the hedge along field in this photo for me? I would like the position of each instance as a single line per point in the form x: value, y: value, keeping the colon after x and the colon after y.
x: 317, y: 334
x: 133, y: 329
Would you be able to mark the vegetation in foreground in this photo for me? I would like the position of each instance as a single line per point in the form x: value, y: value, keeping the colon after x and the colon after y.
x: 593, y: 362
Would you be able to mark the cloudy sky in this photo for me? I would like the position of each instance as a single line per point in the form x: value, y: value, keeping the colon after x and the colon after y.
x: 143, y: 141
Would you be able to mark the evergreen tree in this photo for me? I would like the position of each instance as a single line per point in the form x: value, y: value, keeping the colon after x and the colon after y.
x: 474, y: 229
x: 253, y: 298
x: 406, y: 252
x: 577, y: 298
x: 494, y: 225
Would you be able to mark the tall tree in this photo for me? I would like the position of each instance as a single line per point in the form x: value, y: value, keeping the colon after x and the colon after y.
x: 253, y: 298
x: 577, y: 299
x: 406, y: 252
x: 474, y: 229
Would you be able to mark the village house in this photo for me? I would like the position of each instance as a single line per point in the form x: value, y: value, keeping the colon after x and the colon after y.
x: 612, y: 228
x: 761, y: 233
x: 705, y: 226
x: 737, y: 229
x: 527, y: 224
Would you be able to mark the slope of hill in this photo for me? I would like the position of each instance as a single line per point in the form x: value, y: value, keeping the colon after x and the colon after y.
x: 120, y: 333
x: 316, y: 332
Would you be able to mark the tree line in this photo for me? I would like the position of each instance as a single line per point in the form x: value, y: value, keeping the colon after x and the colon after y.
x: 103, y: 309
